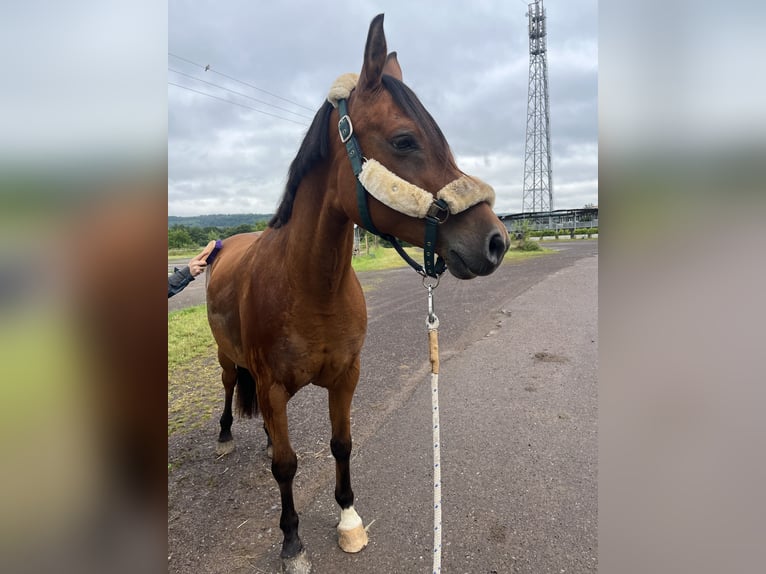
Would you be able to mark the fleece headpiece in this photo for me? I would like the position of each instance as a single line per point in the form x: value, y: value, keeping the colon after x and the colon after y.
x: 401, y: 195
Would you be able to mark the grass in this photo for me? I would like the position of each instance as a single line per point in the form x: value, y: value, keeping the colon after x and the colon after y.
x: 381, y: 258
x: 516, y: 254
x: 188, y: 336
x: 194, y: 388
x: 195, y: 394
x: 183, y: 253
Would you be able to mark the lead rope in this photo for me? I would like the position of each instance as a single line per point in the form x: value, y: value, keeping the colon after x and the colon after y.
x: 432, y: 324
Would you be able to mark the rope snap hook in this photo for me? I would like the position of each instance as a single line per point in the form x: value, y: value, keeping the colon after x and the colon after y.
x: 432, y: 321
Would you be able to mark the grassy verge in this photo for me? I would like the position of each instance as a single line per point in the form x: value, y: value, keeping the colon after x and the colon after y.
x: 183, y: 253
x: 384, y: 258
x: 515, y: 254
x: 195, y: 392
x: 188, y: 336
x: 388, y: 258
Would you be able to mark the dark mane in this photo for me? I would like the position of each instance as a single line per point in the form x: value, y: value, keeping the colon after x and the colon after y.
x: 409, y: 103
x: 314, y: 149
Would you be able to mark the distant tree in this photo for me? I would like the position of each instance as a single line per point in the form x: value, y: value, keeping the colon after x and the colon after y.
x: 220, y: 221
x: 198, y: 235
x: 243, y: 228
x: 211, y: 232
x: 179, y: 238
x: 521, y: 229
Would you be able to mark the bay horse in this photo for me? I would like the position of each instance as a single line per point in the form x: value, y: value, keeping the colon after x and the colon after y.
x: 285, y: 307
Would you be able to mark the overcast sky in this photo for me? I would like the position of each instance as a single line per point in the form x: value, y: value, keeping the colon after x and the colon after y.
x: 467, y: 62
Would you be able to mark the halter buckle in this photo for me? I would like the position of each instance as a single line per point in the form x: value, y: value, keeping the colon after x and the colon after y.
x: 345, y: 128
x: 438, y: 212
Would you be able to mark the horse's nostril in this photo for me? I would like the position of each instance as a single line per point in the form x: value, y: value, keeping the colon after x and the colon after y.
x: 496, y: 247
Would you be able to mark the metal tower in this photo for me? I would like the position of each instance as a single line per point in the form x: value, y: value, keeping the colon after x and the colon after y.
x: 538, y: 181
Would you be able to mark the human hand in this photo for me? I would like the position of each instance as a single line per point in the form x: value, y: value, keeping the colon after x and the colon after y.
x: 197, y: 266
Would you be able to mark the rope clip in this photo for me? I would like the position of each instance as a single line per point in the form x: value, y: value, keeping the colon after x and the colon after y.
x: 432, y: 321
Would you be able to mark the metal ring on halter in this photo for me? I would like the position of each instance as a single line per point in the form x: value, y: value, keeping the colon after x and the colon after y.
x: 430, y: 282
x: 345, y: 128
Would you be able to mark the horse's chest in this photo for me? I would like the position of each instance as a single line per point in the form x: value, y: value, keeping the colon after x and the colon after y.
x: 322, y: 344
x: 315, y: 354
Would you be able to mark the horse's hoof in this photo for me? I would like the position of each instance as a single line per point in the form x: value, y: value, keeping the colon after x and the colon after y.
x: 224, y: 448
x: 353, y: 540
x: 299, y: 564
x: 352, y: 536
x: 270, y: 451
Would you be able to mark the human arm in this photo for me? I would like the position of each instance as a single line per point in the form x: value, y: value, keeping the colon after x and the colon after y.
x: 179, y: 280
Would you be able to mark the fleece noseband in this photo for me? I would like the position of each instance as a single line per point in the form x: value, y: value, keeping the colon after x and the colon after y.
x: 399, y: 194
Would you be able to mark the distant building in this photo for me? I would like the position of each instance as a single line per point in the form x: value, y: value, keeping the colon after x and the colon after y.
x: 564, y: 219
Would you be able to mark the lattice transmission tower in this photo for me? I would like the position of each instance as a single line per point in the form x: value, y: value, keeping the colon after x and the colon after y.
x: 538, y: 179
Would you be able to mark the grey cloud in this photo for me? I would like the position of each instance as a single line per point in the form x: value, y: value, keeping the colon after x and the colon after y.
x: 467, y: 62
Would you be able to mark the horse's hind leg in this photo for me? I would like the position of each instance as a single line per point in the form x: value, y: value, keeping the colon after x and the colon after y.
x: 269, y: 444
x: 225, y: 444
x: 284, y: 465
x: 352, y: 536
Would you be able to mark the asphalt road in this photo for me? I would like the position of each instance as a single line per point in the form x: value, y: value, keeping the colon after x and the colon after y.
x: 518, y: 394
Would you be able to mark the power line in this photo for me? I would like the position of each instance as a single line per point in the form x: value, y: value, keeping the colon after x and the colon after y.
x: 208, y: 68
x: 236, y: 104
x: 239, y: 93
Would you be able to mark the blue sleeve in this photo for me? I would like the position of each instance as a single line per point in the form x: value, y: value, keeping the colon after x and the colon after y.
x: 179, y: 280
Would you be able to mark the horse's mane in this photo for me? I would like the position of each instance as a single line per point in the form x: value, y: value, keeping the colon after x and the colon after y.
x: 314, y: 149
x: 316, y: 145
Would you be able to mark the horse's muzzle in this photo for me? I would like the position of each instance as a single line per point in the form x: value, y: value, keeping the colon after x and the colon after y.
x: 479, y: 256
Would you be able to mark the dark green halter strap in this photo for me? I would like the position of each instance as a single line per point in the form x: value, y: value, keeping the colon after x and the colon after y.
x: 436, y: 215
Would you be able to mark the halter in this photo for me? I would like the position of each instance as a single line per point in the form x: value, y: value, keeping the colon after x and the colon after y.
x: 400, y: 195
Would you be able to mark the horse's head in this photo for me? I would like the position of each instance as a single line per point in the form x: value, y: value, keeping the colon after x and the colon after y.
x: 408, y: 165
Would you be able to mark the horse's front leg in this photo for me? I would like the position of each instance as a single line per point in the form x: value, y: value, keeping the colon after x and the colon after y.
x: 352, y: 536
x: 284, y: 464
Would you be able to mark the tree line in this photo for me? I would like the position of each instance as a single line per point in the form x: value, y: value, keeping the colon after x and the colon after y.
x: 181, y: 236
x: 216, y: 219
x: 191, y: 236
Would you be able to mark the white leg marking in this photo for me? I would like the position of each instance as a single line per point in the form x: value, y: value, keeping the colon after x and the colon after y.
x: 349, y: 519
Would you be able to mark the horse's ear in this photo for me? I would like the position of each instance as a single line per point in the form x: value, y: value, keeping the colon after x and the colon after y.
x: 392, y: 67
x: 374, y: 56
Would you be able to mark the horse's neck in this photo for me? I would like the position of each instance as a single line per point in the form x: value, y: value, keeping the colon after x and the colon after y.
x: 320, y: 240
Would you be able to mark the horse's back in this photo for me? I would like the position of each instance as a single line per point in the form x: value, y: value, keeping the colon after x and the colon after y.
x: 232, y: 250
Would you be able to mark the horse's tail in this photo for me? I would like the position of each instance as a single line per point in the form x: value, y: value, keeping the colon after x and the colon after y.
x: 247, y: 398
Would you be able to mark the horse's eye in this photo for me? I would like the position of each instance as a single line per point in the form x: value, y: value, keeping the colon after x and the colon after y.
x: 404, y: 143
